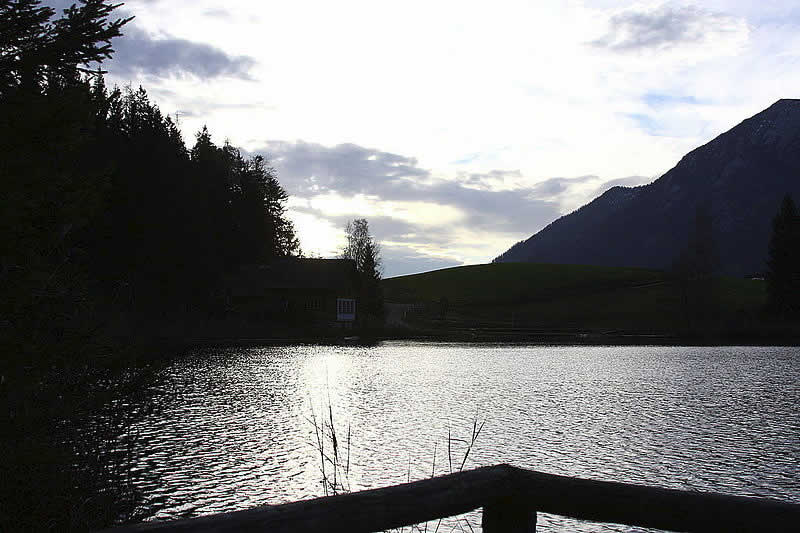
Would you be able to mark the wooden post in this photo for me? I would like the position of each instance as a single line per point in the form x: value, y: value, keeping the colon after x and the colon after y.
x: 508, y: 517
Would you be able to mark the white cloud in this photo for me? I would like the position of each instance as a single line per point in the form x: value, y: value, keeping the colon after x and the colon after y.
x: 490, y: 104
x: 668, y: 27
x: 140, y: 53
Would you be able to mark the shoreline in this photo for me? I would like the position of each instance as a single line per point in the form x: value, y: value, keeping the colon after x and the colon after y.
x: 478, y: 337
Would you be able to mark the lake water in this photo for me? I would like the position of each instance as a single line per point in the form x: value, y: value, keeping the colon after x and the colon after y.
x: 233, y: 428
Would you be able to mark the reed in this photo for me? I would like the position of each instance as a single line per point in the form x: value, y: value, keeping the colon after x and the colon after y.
x: 334, y: 461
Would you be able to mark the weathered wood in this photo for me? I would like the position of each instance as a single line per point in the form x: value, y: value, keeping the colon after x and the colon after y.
x: 640, y: 505
x: 369, y: 510
x: 508, y: 516
x: 491, y: 488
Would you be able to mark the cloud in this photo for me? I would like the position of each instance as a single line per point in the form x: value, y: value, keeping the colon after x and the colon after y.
x: 554, y: 187
x: 400, y: 260
x: 139, y: 53
x: 646, y: 123
x: 201, y: 107
x: 345, y: 168
x: 654, y: 83
x: 492, y: 180
x: 218, y: 13
x: 307, y: 170
x: 667, y: 27
x: 630, y: 181
x: 406, y: 247
x: 423, y: 220
x: 659, y: 100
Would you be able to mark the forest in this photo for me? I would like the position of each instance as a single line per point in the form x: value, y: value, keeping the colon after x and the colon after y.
x: 109, y: 221
x: 111, y: 226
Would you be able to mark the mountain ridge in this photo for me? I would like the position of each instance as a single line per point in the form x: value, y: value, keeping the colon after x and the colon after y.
x: 741, y: 175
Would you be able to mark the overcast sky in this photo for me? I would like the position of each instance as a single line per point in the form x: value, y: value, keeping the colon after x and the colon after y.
x: 457, y: 128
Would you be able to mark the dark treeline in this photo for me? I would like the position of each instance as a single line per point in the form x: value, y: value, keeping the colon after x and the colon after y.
x: 783, y: 263
x: 109, y: 221
x: 111, y: 229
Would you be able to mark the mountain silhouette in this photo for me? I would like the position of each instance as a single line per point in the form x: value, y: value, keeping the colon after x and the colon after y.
x: 740, y: 177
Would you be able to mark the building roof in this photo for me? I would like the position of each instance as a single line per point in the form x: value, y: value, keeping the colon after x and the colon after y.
x: 294, y: 273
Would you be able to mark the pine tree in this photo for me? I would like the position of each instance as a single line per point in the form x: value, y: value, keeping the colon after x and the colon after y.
x: 371, y: 280
x: 38, y: 55
x: 783, y: 274
x: 52, y: 178
x: 263, y: 231
x: 103, y: 203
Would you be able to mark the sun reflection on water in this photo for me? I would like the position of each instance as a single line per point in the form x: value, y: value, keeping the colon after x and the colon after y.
x: 234, y: 427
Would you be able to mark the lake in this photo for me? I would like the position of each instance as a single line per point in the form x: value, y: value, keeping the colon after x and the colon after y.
x: 234, y: 428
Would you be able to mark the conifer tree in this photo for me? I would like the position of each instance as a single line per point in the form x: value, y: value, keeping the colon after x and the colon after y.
x: 52, y: 176
x: 38, y: 55
x: 103, y: 204
x: 783, y: 274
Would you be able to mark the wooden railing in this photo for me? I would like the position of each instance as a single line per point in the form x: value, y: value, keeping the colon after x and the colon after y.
x: 510, y: 498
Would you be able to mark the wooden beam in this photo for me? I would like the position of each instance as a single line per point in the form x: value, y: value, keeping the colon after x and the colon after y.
x: 368, y: 510
x: 509, y: 495
x: 640, y: 505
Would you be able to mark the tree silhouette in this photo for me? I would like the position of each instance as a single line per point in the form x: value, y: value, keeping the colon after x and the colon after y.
x: 106, y: 214
x: 112, y: 232
x: 365, y: 252
x: 38, y: 55
x: 259, y: 206
x: 783, y: 274
x: 693, y: 271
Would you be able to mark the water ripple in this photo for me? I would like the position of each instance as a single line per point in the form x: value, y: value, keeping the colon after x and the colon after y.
x: 232, y: 429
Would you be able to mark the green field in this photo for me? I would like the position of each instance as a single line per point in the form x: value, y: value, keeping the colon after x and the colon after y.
x: 530, y: 295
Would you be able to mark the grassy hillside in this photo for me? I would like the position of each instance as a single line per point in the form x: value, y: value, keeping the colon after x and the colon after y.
x: 529, y: 295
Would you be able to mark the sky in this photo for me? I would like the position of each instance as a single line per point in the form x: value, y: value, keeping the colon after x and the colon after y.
x: 456, y: 128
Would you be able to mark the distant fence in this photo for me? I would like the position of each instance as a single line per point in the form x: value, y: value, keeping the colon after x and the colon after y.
x: 510, y: 498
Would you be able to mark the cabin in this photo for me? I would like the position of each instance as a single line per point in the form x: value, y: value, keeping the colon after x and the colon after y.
x: 303, y: 292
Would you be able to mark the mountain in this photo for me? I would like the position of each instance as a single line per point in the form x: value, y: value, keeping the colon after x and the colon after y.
x: 740, y: 178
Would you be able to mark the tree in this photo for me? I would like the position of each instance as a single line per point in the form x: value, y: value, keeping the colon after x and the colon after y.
x: 106, y: 213
x: 783, y: 274
x: 263, y: 231
x: 272, y: 197
x: 37, y: 54
x: 693, y: 271
x: 365, y: 252
x: 52, y: 180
